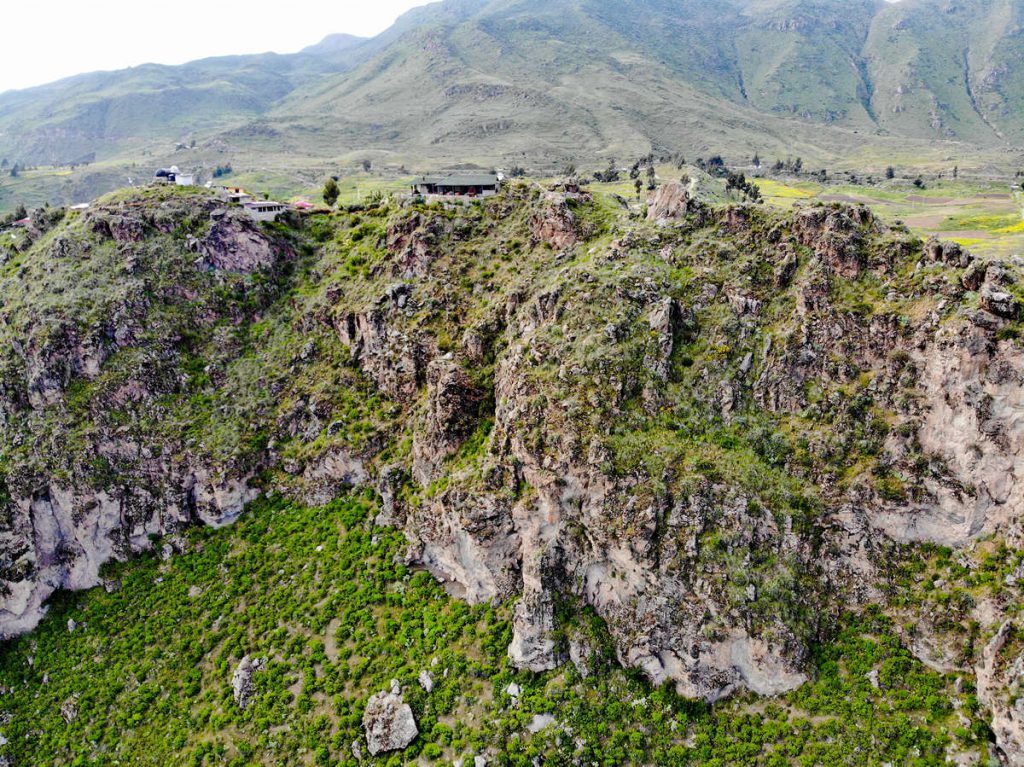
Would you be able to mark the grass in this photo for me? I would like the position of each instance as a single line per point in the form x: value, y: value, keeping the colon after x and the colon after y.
x: 777, y: 190
x: 1017, y: 228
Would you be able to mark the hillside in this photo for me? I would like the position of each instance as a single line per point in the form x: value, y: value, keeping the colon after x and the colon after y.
x: 540, y: 84
x: 734, y: 450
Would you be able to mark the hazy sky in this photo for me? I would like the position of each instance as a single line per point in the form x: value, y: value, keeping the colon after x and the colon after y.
x: 44, y: 40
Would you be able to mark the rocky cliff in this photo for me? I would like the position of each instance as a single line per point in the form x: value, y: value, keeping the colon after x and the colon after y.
x: 717, y: 427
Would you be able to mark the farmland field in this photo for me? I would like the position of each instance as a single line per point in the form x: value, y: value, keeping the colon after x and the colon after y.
x: 987, y: 217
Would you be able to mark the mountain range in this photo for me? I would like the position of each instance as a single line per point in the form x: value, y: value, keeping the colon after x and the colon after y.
x: 499, y: 81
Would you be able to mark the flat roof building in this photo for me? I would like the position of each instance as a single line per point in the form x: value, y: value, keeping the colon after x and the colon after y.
x: 265, y: 210
x: 482, y: 185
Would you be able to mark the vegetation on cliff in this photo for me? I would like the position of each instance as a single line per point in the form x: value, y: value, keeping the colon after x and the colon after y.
x: 139, y: 672
x: 699, y: 444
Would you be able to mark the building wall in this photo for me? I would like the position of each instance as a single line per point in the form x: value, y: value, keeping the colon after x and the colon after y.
x: 259, y: 215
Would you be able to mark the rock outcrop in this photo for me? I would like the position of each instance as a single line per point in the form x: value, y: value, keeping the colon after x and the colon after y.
x: 233, y: 243
x: 563, y: 522
x: 672, y: 202
x: 60, y: 538
x: 64, y: 517
x: 714, y: 431
x: 416, y: 241
x: 452, y: 413
x: 554, y: 222
x: 242, y: 686
x: 389, y: 722
x: 1000, y: 676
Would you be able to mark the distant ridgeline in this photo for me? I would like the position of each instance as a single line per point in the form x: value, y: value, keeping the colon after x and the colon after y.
x: 824, y: 78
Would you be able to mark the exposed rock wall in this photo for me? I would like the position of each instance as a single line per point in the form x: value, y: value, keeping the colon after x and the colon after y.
x: 60, y: 538
x: 561, y: 523
x: 973, y: 423
x: 581, y: 460
x: 56, y: 532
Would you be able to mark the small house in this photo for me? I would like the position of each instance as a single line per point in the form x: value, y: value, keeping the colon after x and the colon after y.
x: 235, y: 195
x: 264, y: 210
x: 483, y: 185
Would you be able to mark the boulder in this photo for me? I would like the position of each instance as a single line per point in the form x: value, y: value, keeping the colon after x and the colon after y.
x: 580, y: 652
x: 389, y: 722
x: 1000, y: 302
x: 951, y: 253
x: 241, y: 680
x: 69, y: 709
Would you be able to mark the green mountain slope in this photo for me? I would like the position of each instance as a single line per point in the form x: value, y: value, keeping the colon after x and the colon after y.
x: 502, y: 81
x: 107, y: 114
x: 949, y: 69
x: 558, y: 81
x: 145, y: 677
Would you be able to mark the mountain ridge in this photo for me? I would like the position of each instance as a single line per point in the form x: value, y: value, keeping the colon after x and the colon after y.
x: 883, y: 70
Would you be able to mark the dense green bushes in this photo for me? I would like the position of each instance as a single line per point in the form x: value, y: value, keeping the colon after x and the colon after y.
x: 324, y: 598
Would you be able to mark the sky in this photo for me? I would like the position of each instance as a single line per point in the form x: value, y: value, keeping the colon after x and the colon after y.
x: 60, y: 38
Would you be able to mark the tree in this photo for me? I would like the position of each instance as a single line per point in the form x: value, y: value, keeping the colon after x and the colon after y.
x: 652, y: 176
x: 956, y: 171
x: 714, y: 166
x: 639, y: 186
x: 367, y: 165
x: 608, y: 176
x: 756, y: 162
x: 20, y: 212
x: 15, y: 171
x: 331, y: 192
x: 739, y: 183
x: 890, y: 173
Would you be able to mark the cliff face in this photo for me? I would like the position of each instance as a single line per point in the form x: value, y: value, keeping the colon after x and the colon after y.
x: 717, y: 428
x: 98, y: 321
